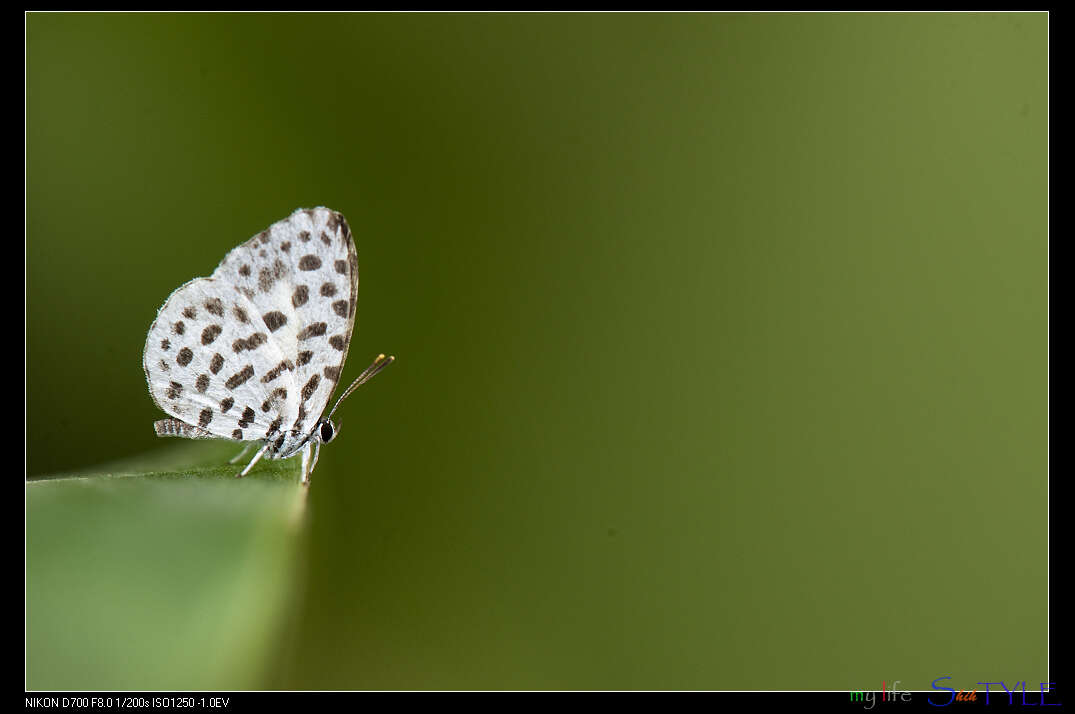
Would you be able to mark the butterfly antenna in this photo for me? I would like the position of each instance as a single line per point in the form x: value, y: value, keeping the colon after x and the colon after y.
x: 378, y: 364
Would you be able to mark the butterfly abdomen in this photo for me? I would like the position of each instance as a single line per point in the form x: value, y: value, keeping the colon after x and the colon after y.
x: 175, y: 427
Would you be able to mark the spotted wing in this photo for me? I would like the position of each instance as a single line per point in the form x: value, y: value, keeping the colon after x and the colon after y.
x: 209, y: 362
x: 301, y: 277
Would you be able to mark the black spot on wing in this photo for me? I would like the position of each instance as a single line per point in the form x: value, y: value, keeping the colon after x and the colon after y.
x: 250, y: 343
x: 310, y: 387
x: 215, y: 306
x: 334, y: 220
x: 274, y: 426
x: 240, y: 377
x: 301, y: 296
x: 315, y: 330
x: 277, y: 394
x: 210, y: 333
x: 265, y: 280
x: 277, y: 371
x: 274, y: 320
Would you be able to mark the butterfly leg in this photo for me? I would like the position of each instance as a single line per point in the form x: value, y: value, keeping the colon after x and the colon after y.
x: 306, y: 464
x: 254, y: 460
x: 317, y: 452
x: 238, y: 456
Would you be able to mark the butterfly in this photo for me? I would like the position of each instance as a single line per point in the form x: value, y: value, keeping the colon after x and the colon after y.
x: 253, y: 352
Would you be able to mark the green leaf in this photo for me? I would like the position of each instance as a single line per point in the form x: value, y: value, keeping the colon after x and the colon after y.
x: 160, y: 572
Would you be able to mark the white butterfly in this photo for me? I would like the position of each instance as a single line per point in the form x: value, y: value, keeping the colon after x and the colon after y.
x: 253, y: 352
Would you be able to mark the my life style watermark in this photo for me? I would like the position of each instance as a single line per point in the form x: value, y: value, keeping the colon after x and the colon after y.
x: 892, y: 693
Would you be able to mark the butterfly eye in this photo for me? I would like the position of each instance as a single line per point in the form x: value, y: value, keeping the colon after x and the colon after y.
x: 326, y: 432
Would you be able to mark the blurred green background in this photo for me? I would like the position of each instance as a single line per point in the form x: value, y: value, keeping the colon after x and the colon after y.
x: 721, y: 338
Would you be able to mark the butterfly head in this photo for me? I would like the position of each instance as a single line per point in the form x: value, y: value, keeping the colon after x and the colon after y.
x: 326, y: 430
